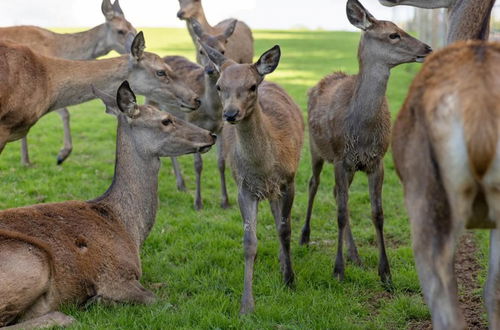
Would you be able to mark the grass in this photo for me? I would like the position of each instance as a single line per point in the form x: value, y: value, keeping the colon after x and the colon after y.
x: 198, y: 256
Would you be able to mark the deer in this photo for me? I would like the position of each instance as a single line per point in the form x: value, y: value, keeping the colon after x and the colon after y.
x: 239, y: 46
x: 94, y: 253
x: 53, y: 83
x: 115, y: 34
x: 350, y: 127
x: 263, y: 137
x: 468, y: 19
x: 445, y: 149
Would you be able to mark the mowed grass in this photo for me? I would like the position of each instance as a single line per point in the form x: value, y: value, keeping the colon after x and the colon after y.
x: 197, y: 257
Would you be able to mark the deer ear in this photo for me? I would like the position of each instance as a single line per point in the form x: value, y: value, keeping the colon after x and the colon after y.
x: 138, y: 45
x: 269, y: 61
x: 108, y: 100
x: 217, y: 58
x: 126, y: 101
x: 230, y: 29
x: 359, y: 16
x: 117, y: 9
x: 197, y: 28
x: 107, y: 9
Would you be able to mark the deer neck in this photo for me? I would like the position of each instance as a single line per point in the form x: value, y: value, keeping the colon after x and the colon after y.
x: 202, y: 19
x: 84, y: 45
x: 133, y: 195
x: 469, y: 20
x: 71, y: 81
x: 369, y: 89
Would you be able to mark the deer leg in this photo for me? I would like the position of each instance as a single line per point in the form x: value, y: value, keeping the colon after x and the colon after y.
x: 48, y: 320
x: 25, y: 157
x: 281, y: 209
x: 221, y: 163
x: 68, y: 143
x: 317, y: 166
x: 198, y: 167
x: 492, y: 289
x: 181, y: 186
x: 341, y: 193
x: 375, y: 182
x: 248, y: 207
x: 352, y: 250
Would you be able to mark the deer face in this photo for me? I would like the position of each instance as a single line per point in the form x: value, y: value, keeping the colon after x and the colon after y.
x: 238, y: 83
x: 152, y: 77
x: 188, y: 9
x: 156, y: 133
x: 119, y: 32
x: 383, y: 42
x: 217, y: 42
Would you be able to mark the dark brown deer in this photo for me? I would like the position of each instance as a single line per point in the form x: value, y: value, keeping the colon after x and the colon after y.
x: 94, y: 253
x: 263, y: 144
x: 350, y: 125
x: 115, y: 34
x: 53, y: 83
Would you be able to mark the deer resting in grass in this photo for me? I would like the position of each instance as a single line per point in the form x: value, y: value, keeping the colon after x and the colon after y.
x: 263, y: 143
x: 350, y: 125
x: 94, y: 253
x: 239, y: 46
x: 115, y: 34
x: 54, y: 83
x: 467, y: 19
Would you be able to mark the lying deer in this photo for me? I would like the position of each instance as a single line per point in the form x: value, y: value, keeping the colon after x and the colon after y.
x: 115, y: 34
x: 54, y: 83
x: 468, y: 19
x: 263, y: 146
x: 350, y: 125
x: 94, y: 253
x: 239, y: 46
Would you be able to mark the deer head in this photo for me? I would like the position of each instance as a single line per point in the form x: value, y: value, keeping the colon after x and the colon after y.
x: 382, y: 41
x: 188, y: 9
x: 119, y: 31
x: 238, y: 83
x: 155, y: 133
x: 151, y: 76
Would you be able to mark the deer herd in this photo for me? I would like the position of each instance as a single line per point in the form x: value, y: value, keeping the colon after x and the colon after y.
x: 445, y: 144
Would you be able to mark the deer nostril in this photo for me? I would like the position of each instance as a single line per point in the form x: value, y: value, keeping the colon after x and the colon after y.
x: 213, y: 136
x: 428, y: 49
x: 180, y: 14
x: 230, y: 116
x: 197, y: 102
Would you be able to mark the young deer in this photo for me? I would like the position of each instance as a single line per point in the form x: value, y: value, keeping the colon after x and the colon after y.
x: 239, y: 47
x: 446, y: 152
x: 94, y: 253
x: 350, y: 125
x: 53, y: 83
x: 263, y: 144
x: 115, y: 34
x: 468, y: 19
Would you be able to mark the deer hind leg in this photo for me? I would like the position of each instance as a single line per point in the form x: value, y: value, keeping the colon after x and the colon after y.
x: 376, y: 180
x: 52, y: 319
x: 221, y: 164
x: 68, y: 143
x: 343, y: 179
x: 198, y: 168
x: 181, y: 186
x: 24, y: 281
x: 281, y: 209
x: 314, y: 181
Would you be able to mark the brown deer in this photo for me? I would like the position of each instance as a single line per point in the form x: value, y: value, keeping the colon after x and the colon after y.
x: 94, y: 253
x: 54, y: 83
x: 467, y: 19
x: 350, y: 125
x: 445, y: 147
x: 263, y: 143
x: 239, y: 46
x: 115, y: 34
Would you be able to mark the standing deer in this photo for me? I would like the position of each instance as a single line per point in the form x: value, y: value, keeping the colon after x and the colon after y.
x: 350, y: 125
x: 94, y: 253
x: 115, y: 34
x: 467, y: 19
x: 263, y: 143
x: 445, y: 147
x: 239, y: 46
x: 54, y: 83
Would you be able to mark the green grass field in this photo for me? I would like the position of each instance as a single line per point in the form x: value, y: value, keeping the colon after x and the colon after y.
x: 198, y: 256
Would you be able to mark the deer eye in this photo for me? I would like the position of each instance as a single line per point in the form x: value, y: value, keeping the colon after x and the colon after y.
x: 161, y: 73
x: 223, y: 52
x: 121, y: 32
x: 217, y: 87
x: 253, y: 88
x: 201, y: 52
x: 166, y: 122
x: 395, y: 36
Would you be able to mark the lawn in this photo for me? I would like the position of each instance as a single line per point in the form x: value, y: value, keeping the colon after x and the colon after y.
x: 193, y: 261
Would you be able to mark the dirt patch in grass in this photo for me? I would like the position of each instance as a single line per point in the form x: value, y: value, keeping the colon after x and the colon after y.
x: 467, y: 269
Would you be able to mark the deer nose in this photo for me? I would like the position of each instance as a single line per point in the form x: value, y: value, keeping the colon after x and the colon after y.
x: 197, y: 102
x: 214, y: 137
x: 428, y: 49
x: 230, y: 115
x: 180, y: 14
